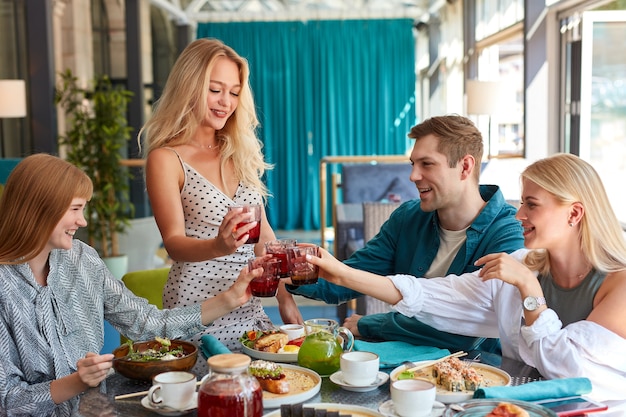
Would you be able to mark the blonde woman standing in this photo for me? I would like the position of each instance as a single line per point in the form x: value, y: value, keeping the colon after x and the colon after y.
x: 202, y: 157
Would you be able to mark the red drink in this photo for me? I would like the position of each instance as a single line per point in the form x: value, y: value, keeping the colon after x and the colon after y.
x: 254, y: 233
x: 284, y: 264
x: 264, y: 287
x: 301, y: 271
x: 227, y: 402
x: 267, y: 284
x: 255, y: 211
x: 278, y: 249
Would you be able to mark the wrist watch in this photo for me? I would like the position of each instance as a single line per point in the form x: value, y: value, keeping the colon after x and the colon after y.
x: 532, y: 303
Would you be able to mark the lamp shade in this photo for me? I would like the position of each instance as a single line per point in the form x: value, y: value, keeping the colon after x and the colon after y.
x: 12, y: 98
x: 483, y: 97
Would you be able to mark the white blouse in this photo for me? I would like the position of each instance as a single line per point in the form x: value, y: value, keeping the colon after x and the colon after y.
x: 468, y: 306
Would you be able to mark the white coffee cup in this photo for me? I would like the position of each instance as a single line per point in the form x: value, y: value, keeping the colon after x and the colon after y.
x: 172, y: 389
x: 293, y: 331
x: 359, y: 368
x: 413, y: 397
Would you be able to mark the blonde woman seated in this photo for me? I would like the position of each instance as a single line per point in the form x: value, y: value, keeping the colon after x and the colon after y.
x: 557, y: 305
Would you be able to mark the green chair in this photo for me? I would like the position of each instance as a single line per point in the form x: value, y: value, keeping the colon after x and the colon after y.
x: 148, y: 284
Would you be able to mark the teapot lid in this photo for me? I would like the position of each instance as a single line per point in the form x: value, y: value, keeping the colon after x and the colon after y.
x: 229, y: 362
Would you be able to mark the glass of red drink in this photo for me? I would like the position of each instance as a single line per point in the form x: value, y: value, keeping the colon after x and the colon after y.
x: 254, y: 216
x: 267, y: 284
x: 301, y: 271
x: 278, y: 249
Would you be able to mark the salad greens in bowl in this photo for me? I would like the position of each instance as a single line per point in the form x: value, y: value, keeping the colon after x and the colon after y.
x: 144, y: 360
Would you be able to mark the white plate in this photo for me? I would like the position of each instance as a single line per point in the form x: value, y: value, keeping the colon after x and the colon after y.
x: 387, y: 409
x: 269, y: 356
x: 276, y: 400
x: 353, y: 410
x: 337, y: 378
x: 498, y: 377
x: 193, y: 404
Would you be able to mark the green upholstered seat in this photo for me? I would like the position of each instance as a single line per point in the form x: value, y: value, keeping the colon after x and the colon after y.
x: 148, y: 284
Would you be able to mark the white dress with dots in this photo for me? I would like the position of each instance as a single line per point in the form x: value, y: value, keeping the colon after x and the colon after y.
x: 204, y: 207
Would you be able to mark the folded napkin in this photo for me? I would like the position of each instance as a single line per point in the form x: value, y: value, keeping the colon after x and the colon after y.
x: 211, y: 346
x: 538, y: 390
x: 393, y: 353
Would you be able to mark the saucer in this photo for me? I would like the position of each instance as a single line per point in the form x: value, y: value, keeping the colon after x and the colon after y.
x: 167, y: 411
x: 387, y: 409
x: 337, y: 378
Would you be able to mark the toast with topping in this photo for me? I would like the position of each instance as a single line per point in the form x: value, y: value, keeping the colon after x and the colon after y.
x: 270, y: 376
x: 271, y: 342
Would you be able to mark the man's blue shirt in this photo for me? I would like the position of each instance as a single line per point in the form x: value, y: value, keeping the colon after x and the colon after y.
x: 408, y: 243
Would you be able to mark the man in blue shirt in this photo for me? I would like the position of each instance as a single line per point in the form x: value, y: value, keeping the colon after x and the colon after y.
x: 453, y: 223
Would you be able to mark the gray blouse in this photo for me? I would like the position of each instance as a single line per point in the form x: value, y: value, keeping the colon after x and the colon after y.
x: 572, y: 304
x: 45, y: 330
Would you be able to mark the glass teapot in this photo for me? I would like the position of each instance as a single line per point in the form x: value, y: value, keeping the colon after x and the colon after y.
x: 228, y: 390
x: 323, y: 345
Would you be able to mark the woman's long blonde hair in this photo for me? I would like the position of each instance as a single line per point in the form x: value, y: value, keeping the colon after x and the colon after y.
x: 570, y: 180
x: 183, y: 106
x: 38, y: 192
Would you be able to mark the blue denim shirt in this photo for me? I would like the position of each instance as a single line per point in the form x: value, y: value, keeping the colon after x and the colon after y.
x: 408, y: 243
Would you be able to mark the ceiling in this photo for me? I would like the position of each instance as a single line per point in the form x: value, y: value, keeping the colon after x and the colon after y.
x: 194, y: 11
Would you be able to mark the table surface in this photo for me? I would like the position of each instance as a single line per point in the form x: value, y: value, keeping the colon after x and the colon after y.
x: 100, y: 402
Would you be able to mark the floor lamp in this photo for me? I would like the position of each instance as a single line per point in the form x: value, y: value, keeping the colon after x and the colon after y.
x: 12, y: 104
x: 483, y: 98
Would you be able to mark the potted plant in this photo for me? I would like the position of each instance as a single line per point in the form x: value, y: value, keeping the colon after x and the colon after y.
x: 97, y: 132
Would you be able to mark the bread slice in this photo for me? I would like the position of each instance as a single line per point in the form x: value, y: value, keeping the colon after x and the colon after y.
x: 271, y: 342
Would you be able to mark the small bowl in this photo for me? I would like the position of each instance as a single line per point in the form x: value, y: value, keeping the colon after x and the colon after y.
x: 143, y: 370
x: 293, y: 331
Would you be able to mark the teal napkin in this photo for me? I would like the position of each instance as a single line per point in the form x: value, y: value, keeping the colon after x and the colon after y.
x: 211, y: 346
x: 538, y: 390
x: 393, y: 353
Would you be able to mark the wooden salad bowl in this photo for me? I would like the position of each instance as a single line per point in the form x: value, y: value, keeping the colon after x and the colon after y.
x: 146, y: 370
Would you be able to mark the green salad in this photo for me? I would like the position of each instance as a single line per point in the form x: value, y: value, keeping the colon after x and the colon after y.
x: 163, y: 351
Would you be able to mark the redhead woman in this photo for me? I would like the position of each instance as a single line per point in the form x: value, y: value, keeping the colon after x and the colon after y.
x: 56, y: 292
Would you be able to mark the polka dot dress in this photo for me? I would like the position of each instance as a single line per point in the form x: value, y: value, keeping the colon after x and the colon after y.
x: 204, y: 207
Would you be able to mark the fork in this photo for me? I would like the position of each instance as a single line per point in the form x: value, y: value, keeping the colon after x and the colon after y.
x: 472, y: 361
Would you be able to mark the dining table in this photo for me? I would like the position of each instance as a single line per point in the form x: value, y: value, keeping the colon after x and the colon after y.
x: 100, y: 401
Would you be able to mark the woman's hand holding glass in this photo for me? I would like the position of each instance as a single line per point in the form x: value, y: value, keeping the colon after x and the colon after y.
x: 330, y: 268
x: 229, y: 236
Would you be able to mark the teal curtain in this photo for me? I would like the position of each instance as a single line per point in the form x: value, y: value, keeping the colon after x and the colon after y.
x: 323, y: 88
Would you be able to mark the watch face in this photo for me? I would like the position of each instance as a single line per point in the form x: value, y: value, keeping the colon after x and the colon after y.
x: 530, y: 303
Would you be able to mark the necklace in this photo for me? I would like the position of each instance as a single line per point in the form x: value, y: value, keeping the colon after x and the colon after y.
x: 580, y: 276
x: 216, y: 146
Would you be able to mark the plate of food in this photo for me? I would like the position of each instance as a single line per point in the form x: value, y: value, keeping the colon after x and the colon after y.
x: 295, y: 410
x: 498, y: 408
x: 270, y: 345
x: 456, y: 380
x: 283, y: 383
